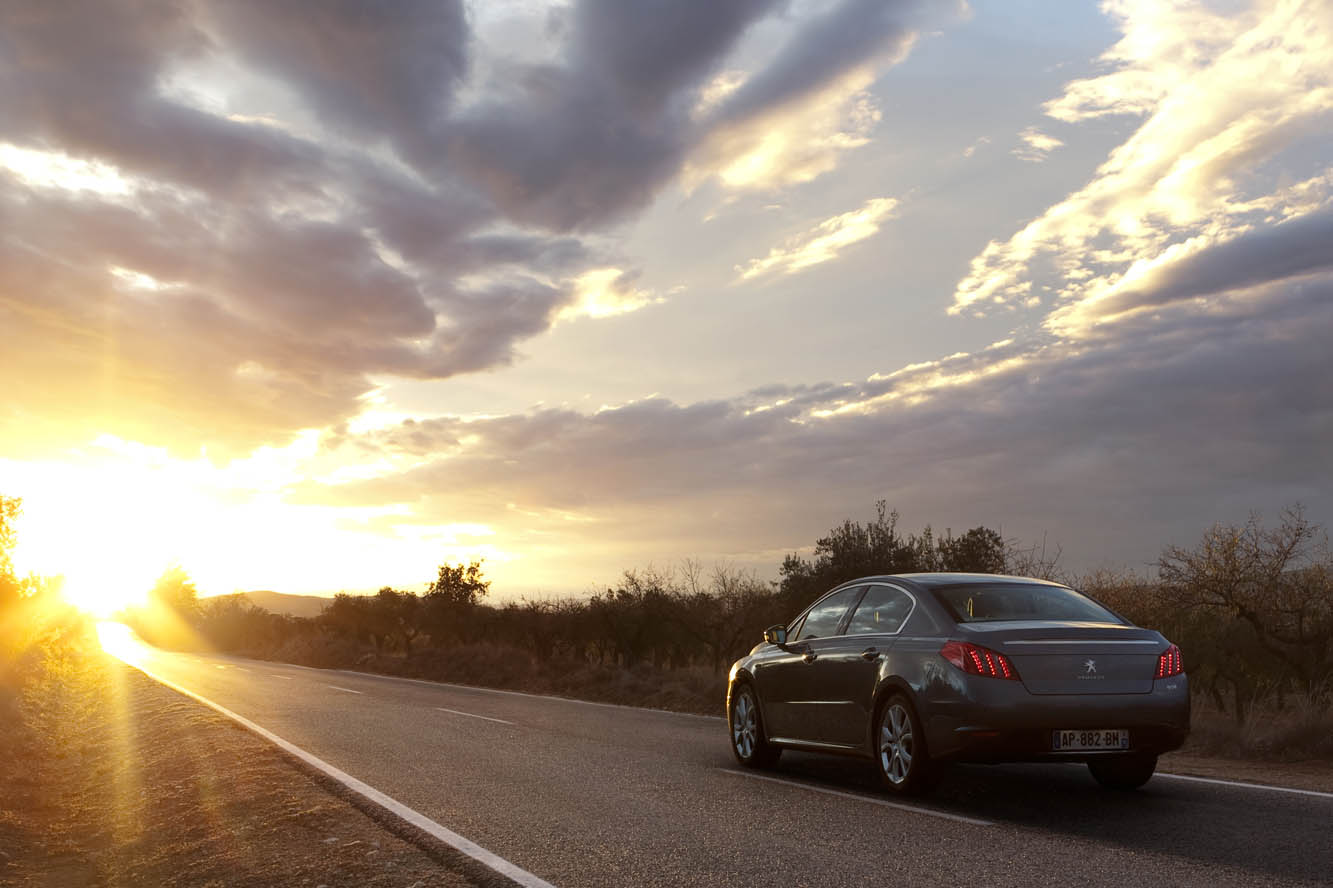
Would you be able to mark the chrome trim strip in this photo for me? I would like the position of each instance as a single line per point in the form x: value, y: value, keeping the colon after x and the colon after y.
x: 788, y: 741
x: 901, y: 626
x: 1079, y: 641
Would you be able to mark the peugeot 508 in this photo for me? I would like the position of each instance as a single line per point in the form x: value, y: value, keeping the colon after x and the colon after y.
x: 917, y: 670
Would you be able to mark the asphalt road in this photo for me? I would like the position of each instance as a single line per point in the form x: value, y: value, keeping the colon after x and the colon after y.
x: 582, y: 794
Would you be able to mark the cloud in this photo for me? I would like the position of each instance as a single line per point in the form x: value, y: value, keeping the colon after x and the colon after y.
x: 1161, y: 424
x: 1037, y: 145
x: 790, y: 122
x: 577, y: 144
x: 824, y: 242
x: 572, y: 145
x: 979, y: 143
x: 1235, y: 107
x: 604, y: 292
x: 1264, y: 254
x: 274, y: 205
x: 367, y: 70
x: 792, y: 144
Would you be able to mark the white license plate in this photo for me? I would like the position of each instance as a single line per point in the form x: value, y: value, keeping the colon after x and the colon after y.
x: 1086, y: 739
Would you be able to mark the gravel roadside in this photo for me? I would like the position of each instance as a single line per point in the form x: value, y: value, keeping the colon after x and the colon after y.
x: 112, y: 779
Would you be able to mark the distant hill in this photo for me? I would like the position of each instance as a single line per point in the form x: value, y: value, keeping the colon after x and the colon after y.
x: 294, y: 605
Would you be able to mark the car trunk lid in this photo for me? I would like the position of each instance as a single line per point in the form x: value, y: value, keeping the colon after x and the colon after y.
x: 1067, y: 657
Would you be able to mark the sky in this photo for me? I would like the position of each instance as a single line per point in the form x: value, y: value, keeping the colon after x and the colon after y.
x: 316, y: 297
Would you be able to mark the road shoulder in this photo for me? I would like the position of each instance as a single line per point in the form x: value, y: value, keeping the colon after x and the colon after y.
x: 118, y: 780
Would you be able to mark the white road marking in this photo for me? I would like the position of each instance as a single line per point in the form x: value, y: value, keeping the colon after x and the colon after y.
x: 463, y: 845
x: 242, y: 668
x: 348, y: 690
x: 861, y: 798
x: 463, y: 687
x: 474, y: 715
x: 283, y: 677
x: 1264, y: 786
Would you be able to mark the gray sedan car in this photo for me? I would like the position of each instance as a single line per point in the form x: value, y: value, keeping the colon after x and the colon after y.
x: 916, y: 670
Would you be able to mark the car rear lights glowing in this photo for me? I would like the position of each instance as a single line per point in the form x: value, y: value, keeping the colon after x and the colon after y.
x: 1169, y: 663
x: 977, y: 660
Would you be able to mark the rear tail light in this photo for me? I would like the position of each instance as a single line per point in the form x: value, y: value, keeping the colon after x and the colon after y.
x: 977, y: 660
x: 1169, y: 663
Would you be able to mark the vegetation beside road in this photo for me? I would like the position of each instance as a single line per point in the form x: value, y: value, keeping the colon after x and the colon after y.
x: 1251, y: 606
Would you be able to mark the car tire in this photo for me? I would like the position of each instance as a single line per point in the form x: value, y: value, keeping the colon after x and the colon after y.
x: 1123, y: 772
x: 746, y: 727
x: 901, y: 758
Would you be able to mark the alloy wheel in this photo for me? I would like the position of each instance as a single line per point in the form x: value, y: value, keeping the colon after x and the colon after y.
x: 896, y: 743
x: 744, y: 726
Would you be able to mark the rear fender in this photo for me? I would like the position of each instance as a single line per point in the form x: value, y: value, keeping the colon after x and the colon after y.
x: 893, y: 684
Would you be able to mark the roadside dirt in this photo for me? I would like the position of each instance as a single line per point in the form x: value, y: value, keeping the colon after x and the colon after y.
x: 111, y: 779
x: 1315, y: 775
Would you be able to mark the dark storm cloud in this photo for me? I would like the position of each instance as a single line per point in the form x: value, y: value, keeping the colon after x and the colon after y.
x: 846, y: 36
x: 262, y: 274
x: 1272, y: 252
x: 376, y: 70
x: 1159, y: 424
x: 486, y: 323
x: 87, y: 85
x: 647, y: 51
x: 575, y: 145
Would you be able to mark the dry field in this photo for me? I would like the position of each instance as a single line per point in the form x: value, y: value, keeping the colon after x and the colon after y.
x: 108, y: 778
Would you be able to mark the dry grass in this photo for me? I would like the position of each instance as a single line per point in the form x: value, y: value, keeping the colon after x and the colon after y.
x: 1296, y: 733
x: 108, y: 778
x: 697, y: 689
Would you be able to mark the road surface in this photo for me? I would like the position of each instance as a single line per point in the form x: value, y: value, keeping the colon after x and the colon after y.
x: 581, y: 794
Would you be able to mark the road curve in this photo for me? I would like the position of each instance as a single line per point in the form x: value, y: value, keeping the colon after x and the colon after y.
x: 582, y: 794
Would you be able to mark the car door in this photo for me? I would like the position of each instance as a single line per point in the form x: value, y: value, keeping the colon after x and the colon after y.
x: 789, y: 692
x: 846, y: 670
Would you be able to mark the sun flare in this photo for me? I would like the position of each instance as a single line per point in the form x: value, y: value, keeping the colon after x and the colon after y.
x: 107, y: 533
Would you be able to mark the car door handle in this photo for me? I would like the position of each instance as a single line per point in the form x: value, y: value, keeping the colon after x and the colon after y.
x: 870, y: 654
x: 810, y: 656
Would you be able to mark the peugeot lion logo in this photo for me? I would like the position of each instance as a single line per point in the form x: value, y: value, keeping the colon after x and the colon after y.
x: 1090, y: 671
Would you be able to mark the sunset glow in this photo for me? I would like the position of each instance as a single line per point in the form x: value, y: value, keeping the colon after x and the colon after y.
x: 552, y: 289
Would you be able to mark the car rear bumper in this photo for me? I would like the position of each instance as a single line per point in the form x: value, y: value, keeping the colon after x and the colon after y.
x: 1001, y: 721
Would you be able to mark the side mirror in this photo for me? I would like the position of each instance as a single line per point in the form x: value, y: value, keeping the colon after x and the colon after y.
x: 776, y: 635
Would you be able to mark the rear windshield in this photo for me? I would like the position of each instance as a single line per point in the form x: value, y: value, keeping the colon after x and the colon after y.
x: 1020, y: 601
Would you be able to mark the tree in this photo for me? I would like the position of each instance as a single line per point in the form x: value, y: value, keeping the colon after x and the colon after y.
x: 1273, y: 592
x: 399, y: 613
x: 459, y: 585
x: 351, y: 616
x: 980, y: 550
x: 452, y: 598
x: 853, y: 550
x: 850, y: 550
x: 175, y: 592
x: 632, y: 617
x: 724, y: 614
x: 11, y: 588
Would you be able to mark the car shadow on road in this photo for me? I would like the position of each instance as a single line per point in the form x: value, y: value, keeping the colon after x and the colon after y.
x: 1272, y: 834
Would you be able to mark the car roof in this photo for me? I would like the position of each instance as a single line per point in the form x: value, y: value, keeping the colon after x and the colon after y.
x: 935, y: 580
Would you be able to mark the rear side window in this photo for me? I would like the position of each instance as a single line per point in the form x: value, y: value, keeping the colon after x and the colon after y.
x: 882, y: 611
x: 1018, y: 601
x: 824, y: 617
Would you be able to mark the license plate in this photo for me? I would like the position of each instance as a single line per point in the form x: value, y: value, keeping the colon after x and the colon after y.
x: 1084, y: 740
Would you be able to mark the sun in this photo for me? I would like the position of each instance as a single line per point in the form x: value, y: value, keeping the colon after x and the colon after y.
x: 103, y: 597
x: 107, y: 534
